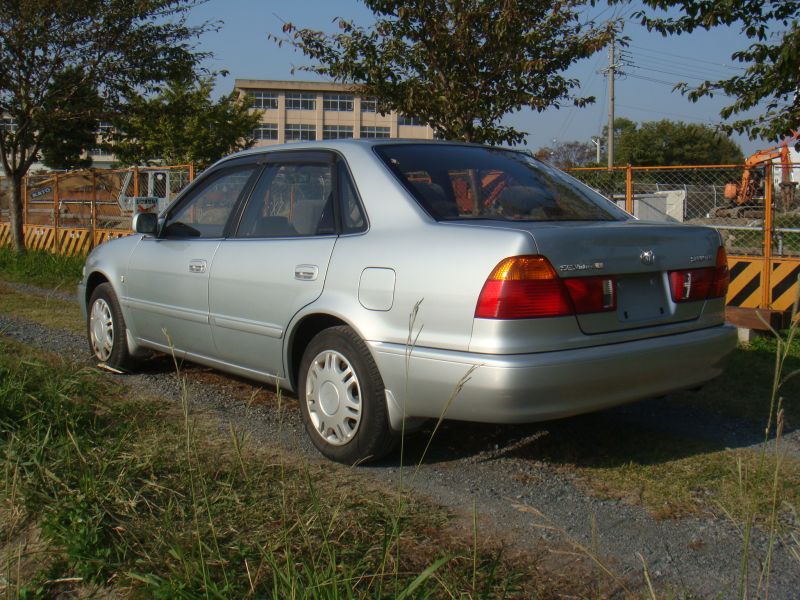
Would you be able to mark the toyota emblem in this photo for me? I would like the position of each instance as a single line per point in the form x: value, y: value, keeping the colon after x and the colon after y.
x: 647, y: 257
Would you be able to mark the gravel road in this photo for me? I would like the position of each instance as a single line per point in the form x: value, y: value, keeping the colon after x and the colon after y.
x: 525, y: 502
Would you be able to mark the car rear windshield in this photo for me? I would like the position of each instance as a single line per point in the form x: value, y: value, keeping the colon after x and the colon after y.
x: 454, y: 182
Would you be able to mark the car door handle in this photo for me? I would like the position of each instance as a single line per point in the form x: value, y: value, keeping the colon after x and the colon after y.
x: 197, y: 266
x: 306, y: 272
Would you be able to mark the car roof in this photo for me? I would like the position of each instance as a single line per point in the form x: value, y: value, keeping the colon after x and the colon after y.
x: 344, y: 143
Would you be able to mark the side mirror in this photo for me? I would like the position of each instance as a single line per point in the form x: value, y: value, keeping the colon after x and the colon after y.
x: 146, y: 223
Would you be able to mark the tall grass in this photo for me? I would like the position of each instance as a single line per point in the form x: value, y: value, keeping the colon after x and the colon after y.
x: 41, y: 268
x: 772, y: 458
x: 143, y: 496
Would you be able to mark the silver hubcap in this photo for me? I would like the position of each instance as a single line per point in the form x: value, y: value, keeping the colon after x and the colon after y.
x: 333, y: 396
x: 101, y: 329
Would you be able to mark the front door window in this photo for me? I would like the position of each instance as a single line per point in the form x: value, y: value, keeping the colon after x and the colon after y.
x: 206, y: 213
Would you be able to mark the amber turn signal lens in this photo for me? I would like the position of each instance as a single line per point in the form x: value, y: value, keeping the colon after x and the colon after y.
x: 523, y: 268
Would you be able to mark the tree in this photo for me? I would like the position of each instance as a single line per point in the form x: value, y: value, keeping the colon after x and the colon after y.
x: 63, y: 142
x: 110, y: 46
x: 459, y: 65
x: 568, y: 154
x: 669, y: 143
x: 183, y: 125
x: 772, y: 60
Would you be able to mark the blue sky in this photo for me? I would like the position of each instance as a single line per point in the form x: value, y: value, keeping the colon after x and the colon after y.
x: 242, y: 48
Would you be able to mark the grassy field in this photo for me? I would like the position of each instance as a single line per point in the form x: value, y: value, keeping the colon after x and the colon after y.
x: 744, y: 391
x: 103, y: 493
x: 49, y: 311
x: 41, y: 268
x: 674, y: 475
x: 133, y: 494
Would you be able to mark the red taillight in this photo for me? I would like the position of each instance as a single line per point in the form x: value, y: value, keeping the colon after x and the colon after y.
x: 699, y: 284
x: 522, y: 287
x: 527, y: 287
x: 719, y: 288
x: 692, y: 284
x: 592, y: 294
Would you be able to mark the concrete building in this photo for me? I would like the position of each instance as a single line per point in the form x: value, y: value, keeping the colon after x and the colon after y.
x: 304, y: 110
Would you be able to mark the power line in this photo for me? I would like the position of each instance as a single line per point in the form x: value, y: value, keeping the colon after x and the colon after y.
x: 662, y: 72
x: 574, y: 109
x: 651, y: 79
x: 671, y: 84
x: 692, y: 59
x: 660, y: 112
x: 661, y: 65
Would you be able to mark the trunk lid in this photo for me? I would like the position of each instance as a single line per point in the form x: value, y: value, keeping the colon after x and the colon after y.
x: 638, y: 254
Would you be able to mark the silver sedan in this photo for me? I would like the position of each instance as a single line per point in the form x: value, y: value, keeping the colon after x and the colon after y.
x: 390, y: 282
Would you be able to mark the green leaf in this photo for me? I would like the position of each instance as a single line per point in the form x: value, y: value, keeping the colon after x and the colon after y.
x: 422, y: 578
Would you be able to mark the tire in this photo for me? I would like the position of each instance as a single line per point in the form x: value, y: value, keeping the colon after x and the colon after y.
x: 105, y: 327
x: 342, y: 398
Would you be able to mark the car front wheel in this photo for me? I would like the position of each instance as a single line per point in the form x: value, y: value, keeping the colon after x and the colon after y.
x: 342, y: 398
x: 106, y: 329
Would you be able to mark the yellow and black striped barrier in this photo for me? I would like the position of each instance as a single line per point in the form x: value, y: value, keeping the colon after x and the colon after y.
x: 73, y: 242
x: 783, y: 283
x: 748, y: 279
x: 745, y: 287
x: 106, y: 235
x: 39, y: 237
x: 70, y: 241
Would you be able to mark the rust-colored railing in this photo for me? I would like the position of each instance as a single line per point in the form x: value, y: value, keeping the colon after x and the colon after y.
x: 756, y: 211
x: 74, y: 211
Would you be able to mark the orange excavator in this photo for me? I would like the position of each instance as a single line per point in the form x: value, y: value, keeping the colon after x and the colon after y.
x: 742, y: 195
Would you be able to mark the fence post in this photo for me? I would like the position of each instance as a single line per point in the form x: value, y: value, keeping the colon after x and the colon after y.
x: 766, y: 273
x: 56, y: 215
x: 135, y: 184
x: 93, y: 223
x: 191, y: 172
x: 629, y: 189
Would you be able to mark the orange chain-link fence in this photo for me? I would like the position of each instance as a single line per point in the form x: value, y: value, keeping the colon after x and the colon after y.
x: 72, y: 212
x: 756, y: 211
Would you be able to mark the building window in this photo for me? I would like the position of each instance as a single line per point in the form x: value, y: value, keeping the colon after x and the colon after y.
x: 301, y: 101
x: 266, y: 131
x: 374, y: 132
x: 337, y: 132
x: 369, y: 105
x: 412, y: 121
x: 263, y: 100
x: 104, y: 128
x: 301, y: 132
x: 103, y: 135
x: 8, y: 124
x: 337, y: 102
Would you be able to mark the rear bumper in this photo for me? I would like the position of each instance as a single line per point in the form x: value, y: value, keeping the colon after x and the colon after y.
x: 523, y: 388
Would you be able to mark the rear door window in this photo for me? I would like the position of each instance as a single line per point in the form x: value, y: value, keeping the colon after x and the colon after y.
x: 472, y: 182
x: 290, y: 200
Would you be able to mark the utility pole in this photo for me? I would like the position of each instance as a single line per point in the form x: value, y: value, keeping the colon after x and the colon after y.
x: 612, y: 65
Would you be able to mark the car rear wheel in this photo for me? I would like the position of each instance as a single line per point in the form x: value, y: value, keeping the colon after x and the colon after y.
x: 106, y: 328
x: 342, y: 398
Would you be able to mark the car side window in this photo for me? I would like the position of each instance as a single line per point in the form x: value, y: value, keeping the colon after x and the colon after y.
x: 205, y: 214
x: 290, y: 200
x: 353, y: 220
